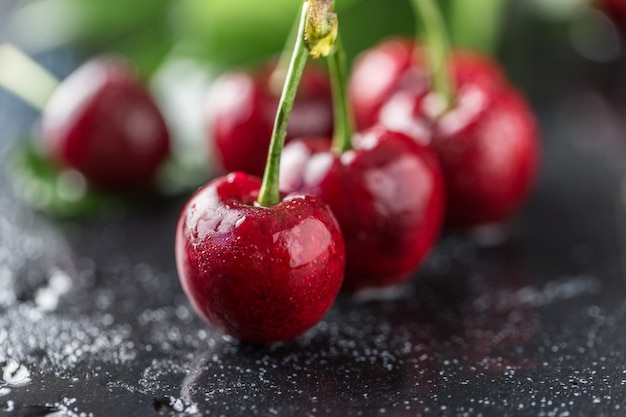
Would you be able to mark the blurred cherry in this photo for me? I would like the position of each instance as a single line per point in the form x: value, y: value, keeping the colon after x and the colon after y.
x: 614, y: 8
x: 486, y: 141
x: 398, y: 64
x: 102, y: 122
x: 240, y: 112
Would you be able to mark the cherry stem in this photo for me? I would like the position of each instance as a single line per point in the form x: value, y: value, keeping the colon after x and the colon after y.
x: 24, y: 77
x: 277, y: 78
x: 269, y: 194
x: 344, y: 125
x: 438, y: 46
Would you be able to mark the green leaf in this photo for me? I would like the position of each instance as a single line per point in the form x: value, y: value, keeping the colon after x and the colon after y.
x: 61, y: 193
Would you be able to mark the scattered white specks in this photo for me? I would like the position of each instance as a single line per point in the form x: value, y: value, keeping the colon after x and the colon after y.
x: 14, y: 374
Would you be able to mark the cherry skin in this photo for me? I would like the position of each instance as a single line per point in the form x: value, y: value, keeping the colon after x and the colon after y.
x: 241, y: 107
x: 387, y: 194
x: 487, y: 143
x: 397, y: 64
x: 614, y: 8
x: 259, y: 274
x: 489, y: 150
x: 102, y: 122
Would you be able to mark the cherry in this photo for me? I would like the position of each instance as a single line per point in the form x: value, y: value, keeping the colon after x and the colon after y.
x: 240, y: 111
x: 614, y: 8
x: 398, y: 64
x: 258, y: 265
x: 387, y: 194
x: 102, y: 122
x: 385, y: 189
x: 482, y: 130
x: 259, y: 274
x: 487, y: 145
x: 488, y: 149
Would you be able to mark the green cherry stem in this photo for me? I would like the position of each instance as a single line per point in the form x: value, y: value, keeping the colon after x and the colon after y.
x: 269, y: 194
x: 277, y: 78
x: 344, y: 125
x: 24, y: 77
x: 437, y: 46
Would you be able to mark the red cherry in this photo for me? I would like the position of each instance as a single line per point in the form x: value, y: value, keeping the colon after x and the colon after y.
x: 488, y: 149
x: 614, y: 8
x: 487, y: 143
x: 487, y: 146
x: 387, y: 194
x: 377, y: 73
x: 398, y: 65
x: 241, y: 108
x: 260, y: 274
x: 102, y: 122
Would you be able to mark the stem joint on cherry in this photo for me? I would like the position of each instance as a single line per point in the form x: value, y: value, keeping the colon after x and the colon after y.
x: 316, y: 36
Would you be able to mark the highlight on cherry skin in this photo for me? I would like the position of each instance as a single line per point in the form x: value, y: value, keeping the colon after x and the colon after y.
x: 387, y: 194
x: 489, y: 159
x: 487, y: 143
x: 258, y: 274
x: 240, y: 110
x: 398, y: 64
x: 102, y: 122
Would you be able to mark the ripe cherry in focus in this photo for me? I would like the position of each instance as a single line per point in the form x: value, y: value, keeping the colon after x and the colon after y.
x: 259, y: 274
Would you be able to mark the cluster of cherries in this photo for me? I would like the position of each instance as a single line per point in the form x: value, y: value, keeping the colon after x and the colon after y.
x: 102, y: 122
x: 264, y: 259
x: 356, y: 211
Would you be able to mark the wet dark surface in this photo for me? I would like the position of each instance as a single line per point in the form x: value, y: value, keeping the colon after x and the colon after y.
x: 93, y: 321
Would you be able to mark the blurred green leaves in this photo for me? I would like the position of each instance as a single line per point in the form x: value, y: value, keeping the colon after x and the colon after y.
x: 65, y: 193
x: 59, y: 193
x: 139, y: 30
x: 475, y: 24
x: 226, y: 32
x: 233, y: 32
x: 92, y: 21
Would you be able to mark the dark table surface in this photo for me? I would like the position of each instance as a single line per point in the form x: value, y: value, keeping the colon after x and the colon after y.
x: 93, y: 320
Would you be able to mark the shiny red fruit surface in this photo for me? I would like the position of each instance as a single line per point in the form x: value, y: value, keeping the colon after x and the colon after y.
x: 102, y: 122
x: 259, y: 274
x: 387, y: 194
x: 398, y: 64
x: 487, y: 143
x: 488, y: 147
x: 614, y: 8
x: 240, y: 112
